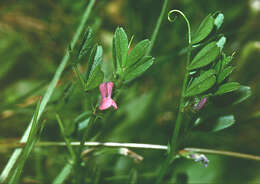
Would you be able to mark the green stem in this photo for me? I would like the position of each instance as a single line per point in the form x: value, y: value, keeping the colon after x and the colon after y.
x: 48, y: 94
x: 174, y: 141
x: 68, y: 143
x: 157, y: 27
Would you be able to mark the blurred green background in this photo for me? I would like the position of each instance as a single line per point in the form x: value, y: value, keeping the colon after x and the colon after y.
x: 34, y: 36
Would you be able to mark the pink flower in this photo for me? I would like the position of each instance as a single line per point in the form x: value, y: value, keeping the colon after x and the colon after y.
x: 106, y: 93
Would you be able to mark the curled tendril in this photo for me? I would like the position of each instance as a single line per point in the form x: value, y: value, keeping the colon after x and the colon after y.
x: 184, y: 16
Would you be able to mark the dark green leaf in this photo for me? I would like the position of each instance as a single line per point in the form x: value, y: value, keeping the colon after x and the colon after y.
x: 202, y: 83
x: 140, y: 68
x: 228, y: 87
x: 223, y: 122
x: 207, y: 55
x: 224, y: 74
x: 219, y: 20
x: 138, y: 52
x: 91, y: 61
x: 120, y: 47
x: 204, y: 29
x: 96, y: 75
x: 86, y: 44
x: 97, y: 59
x: 95, y: 79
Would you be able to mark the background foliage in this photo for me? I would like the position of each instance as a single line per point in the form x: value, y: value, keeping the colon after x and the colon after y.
x: 33, y: 39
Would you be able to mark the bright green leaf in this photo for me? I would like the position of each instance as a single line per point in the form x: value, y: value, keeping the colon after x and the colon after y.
x: 204, y: 29
x: 138, y: 52
x: 224, y: 74
x: 228, y: 87
x: 202, y: 83
x: 205, y: 56
x: 140, y: 68
x: 223, y: 122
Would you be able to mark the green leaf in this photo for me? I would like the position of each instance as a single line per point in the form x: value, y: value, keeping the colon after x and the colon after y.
x: 139, y: 68
x: 219, y: 20
x: 228, y: 87
x: 120, y: 43
x: 91, y: 61
x: 202, y: 83
x: 204, y: 29
x: 95, y: 79
x: 241, y: 94
x: 205, y: 56
x: 138, y: 52
x: 223, y: 122
x: 86, y: 43
x: 96, y: 75
x: 227, y: 60
x: 224, y: 74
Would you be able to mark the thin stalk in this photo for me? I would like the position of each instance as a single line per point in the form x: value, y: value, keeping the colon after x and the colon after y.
x: 139, y: 146
x: 225, y: 153
x: 174, y: 141
x: 48, y: 94
x: 157, y: 27
x: 67, y: 141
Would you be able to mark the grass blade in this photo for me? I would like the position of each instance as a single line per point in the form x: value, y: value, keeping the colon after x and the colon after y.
x: 48, y: 93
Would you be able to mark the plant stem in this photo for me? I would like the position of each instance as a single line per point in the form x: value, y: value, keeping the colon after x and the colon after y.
x: 47, y: 95
x: 67, y: 141
x: 141, y: 146
x: 174, y: 141
x: 157, y: 27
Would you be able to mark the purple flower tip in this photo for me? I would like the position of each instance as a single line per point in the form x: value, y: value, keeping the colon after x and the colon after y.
x: 106, y: 93
x: 200, y: 158
x: 201, y: 103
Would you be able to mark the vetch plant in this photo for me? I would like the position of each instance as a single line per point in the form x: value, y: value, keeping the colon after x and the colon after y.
x: 206, y: 80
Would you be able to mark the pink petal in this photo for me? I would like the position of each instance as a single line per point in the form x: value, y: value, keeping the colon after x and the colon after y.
x: 114, y: 104
x: 103, y: 90
x: 106, y: 103
x: 110, y: 86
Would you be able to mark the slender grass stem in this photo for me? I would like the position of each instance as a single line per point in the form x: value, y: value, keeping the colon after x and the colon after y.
x: 157, y: 27
x: 48, y: 94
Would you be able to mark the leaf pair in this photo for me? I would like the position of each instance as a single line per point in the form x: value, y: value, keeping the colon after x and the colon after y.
x: 130, y: 65
x: 206, y: 27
